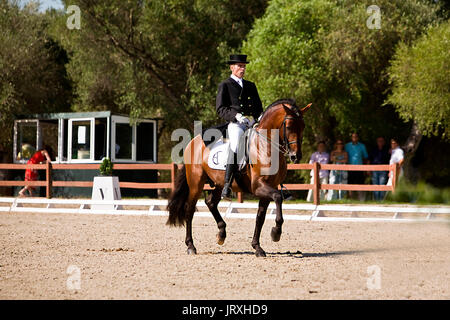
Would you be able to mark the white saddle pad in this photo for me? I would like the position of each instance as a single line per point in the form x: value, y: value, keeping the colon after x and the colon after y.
x: 218, y: 155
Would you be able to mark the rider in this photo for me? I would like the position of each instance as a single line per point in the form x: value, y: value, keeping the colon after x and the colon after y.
x: 236, y: 99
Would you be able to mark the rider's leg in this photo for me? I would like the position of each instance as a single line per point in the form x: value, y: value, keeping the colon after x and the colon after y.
x: 229, y: 173
x: 235, y: 131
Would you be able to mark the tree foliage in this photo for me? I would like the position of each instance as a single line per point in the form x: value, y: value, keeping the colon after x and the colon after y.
x: 358, y: 57
x: 420, y: 77
x: 285, y: 53
x: 32, y: 78
x: 323, y: 52
x: 165, y: 58
x: 154, y: 58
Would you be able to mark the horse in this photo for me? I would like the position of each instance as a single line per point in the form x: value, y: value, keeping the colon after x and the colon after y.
x: 283, y: 120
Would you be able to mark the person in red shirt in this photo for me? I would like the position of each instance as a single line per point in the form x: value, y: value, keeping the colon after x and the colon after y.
x: 40, y: 156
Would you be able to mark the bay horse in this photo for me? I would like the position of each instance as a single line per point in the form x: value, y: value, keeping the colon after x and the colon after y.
x: 284, y: 119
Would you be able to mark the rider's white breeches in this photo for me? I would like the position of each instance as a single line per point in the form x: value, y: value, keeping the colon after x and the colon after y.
x: 235, y: 131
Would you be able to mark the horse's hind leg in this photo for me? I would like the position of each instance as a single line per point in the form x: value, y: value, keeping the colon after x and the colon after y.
x: 189, y: 240
x: 212, y: 201
x: 195, y: 190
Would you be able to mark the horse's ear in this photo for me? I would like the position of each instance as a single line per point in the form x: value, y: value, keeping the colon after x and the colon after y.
x: 303, y: 110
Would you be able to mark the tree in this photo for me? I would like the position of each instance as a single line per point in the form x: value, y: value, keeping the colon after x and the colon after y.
x: 323, y: 52
x: 420, y: 79
x: 286, y: 57
x: 358, y: 57
x: 33, y: 77
x: 154, y: 58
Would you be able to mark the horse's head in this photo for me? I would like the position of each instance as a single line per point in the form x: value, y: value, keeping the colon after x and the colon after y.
x: 288, y: 118
x: 292, y: 130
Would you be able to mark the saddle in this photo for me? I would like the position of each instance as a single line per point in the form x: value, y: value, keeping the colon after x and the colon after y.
x: 219, y: 150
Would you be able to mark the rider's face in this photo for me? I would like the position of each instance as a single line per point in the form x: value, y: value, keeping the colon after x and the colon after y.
x: 238, y: 69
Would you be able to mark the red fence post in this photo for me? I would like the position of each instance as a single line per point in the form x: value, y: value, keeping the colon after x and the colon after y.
x: 316, y: 188
x: 240, y: 197
x: 49, y: 180
x: 395, y: 176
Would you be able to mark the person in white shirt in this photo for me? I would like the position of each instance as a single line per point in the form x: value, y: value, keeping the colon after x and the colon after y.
x: 397, y: 156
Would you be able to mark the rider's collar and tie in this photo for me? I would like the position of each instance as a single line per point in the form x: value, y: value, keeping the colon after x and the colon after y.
x: 238, y: 80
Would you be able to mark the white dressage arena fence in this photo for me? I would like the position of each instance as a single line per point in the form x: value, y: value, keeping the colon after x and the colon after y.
x: 247, y: 210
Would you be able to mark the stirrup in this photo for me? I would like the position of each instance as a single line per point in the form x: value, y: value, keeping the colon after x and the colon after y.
x: 226, y: 192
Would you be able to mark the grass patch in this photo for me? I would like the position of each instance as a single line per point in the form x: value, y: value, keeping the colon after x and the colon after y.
x: 421, y: 193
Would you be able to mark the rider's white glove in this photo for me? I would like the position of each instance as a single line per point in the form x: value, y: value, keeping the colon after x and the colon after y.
x: 241, y: 119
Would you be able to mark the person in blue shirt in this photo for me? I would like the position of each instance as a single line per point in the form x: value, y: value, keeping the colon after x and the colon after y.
x: 357, y: 154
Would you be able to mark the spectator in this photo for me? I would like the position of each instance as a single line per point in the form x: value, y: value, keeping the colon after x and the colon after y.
x: 397, y: 156
x: 379, y: 155
x: 31, y: 174
x: 338, y: 156
x: 322, y: 157
x: 357, y: 154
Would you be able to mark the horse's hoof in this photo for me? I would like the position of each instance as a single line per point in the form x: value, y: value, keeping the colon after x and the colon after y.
x: 260, y: 253
x: 275, y: 235
x: 191, y: 251
x: 220, y: 240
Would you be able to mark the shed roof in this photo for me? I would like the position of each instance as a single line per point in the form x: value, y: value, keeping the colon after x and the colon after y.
x: 73, y: 115
x: 66, y: 115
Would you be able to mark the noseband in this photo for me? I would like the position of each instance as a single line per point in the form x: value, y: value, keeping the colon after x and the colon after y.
x: 286, y: 142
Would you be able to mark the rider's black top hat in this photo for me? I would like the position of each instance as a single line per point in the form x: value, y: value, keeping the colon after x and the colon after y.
x: 238, y: 58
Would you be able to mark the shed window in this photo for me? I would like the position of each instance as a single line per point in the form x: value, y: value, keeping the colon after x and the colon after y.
x: 81, y: 139
x: 101, y: 135
x: 124, y: 139
x: 146, y: 142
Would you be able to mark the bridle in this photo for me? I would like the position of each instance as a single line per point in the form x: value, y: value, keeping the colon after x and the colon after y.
x: 285, y: 146
x: 298, y: 115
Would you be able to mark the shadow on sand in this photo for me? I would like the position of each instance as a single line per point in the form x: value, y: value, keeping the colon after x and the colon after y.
x: 299, y: 254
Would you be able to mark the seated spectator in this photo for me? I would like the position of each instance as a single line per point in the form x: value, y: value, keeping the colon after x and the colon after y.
x: 322, y: 157
x: 379, y: 155
x: 397, y: 156
x: 338, y: 156
x: 357, y: 154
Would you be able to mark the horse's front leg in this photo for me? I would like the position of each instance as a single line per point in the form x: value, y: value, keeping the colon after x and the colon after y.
x: 276, y: 231
x: 277, y: 197
x: 260, y: 217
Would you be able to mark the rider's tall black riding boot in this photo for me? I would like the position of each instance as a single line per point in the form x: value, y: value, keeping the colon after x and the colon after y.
x: 229, y: 173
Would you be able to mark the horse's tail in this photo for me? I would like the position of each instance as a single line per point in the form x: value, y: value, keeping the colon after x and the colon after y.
x: 177, y: 201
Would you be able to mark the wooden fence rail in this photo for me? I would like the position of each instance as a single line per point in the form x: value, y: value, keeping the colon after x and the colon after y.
x: 49, y: 183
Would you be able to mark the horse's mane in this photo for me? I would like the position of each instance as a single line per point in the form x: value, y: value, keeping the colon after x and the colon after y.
x: 289, y: 101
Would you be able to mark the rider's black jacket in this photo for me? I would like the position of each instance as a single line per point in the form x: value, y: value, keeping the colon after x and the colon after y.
x: 232, y: 99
